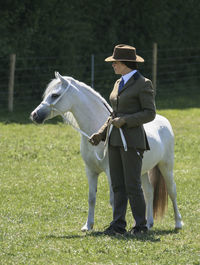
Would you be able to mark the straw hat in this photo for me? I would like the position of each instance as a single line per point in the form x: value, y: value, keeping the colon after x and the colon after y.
x: 123, y: 52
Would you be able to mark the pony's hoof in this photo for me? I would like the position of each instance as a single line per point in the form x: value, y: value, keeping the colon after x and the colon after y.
x: 149, y: 226
x: 179, y: 225
x: 87, y: 227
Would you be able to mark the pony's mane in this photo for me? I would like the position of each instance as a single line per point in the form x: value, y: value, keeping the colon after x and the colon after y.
x: 54, y: 82
x: 96, y: 95
x: 81, y: 86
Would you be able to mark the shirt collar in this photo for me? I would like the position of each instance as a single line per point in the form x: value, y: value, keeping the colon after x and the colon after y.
x: 128, y: 76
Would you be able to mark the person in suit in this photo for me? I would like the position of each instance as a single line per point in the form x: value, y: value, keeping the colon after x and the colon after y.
x: 133, y: 103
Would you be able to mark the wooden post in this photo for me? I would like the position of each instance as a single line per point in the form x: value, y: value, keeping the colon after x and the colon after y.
x: 92, y: 70
x: 11, y: 82
x: 154, y: 65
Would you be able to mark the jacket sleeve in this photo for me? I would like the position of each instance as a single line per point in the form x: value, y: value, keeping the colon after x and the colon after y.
x: 148, y: 109
x: 103, y: 130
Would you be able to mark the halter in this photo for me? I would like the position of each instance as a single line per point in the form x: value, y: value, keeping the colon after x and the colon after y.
x: 56, y: 100
x: 53, y: 108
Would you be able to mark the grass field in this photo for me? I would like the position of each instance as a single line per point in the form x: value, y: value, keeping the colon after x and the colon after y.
x: 43, y: 200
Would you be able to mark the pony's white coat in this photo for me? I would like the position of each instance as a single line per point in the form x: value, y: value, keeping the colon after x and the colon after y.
x: 89, y: 113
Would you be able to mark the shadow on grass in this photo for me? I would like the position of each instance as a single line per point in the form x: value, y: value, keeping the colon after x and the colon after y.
x: 152, y: 236
x: 64, y: 237
x: 178, y: 100
x: 22, y: 116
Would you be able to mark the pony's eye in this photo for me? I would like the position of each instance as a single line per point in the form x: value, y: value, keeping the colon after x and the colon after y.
x: 54, y: 96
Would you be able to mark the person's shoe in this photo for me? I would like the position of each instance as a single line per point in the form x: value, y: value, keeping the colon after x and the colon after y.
x: 137, y: 230
x: 111, y: 231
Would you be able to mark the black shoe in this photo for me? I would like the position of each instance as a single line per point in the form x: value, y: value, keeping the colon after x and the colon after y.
x: 111, y: 231
x: 138, y: 230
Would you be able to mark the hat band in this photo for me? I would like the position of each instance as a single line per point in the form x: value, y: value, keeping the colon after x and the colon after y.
x: 124, y: 54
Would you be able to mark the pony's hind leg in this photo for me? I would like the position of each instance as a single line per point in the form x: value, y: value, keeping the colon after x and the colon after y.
x: 166, y: 169
x: 148, y: 195
x: 92, y: 180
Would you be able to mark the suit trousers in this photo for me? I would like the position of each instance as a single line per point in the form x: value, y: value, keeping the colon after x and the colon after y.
x: 125, y: 172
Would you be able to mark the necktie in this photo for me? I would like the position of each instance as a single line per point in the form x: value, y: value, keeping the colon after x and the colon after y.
x: 121, y: 84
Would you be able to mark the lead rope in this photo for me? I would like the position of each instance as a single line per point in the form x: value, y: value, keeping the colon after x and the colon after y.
x: 82, y: 132
x: 75, y: 128
x: 109, y: 130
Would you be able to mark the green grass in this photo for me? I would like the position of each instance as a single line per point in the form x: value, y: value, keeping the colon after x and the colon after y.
x: 43, y: 200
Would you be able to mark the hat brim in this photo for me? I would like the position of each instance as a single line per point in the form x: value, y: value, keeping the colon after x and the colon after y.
x: 139, y: 59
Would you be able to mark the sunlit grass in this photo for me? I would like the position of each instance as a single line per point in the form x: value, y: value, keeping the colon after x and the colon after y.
x: 43, y: 200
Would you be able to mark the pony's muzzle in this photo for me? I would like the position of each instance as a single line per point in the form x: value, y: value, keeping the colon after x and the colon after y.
x: 36, y: 118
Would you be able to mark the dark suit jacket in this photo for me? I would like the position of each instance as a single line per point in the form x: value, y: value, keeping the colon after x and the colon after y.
x: 136, y: 104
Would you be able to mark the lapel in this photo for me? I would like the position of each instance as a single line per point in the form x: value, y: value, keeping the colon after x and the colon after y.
x: 116, y: 87
x: 130, y: 82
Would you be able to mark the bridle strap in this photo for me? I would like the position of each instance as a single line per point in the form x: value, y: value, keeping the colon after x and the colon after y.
x: 53, y: 108
x: 56, y: 100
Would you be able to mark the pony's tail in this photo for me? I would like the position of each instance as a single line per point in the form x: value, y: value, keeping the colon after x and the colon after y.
x: 160, y: 200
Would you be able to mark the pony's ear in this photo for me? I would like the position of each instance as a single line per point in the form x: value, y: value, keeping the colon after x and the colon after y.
x: 63, y: 81
x: 56, y: 74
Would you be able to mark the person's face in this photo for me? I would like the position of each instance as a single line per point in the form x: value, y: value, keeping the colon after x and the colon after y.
x: 120, y: 68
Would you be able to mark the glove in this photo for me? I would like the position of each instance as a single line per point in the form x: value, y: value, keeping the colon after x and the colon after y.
x: 95, y: 139
x: 118, y: 122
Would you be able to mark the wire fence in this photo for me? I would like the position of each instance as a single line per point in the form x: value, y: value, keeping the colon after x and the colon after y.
x: 178, y: 73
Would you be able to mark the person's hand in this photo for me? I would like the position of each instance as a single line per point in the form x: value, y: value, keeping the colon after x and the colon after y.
x: 118, y: 122
x: 95, y: 139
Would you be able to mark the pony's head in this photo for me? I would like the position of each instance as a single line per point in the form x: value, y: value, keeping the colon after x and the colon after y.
x: 54, y: 100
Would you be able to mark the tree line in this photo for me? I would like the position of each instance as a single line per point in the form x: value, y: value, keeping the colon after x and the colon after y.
x: 72, y: 30
x: 66, y: 27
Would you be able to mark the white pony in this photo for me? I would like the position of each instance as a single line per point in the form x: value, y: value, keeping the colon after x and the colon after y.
x: 65, y: 95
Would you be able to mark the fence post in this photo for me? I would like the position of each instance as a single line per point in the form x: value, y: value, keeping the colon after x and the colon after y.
x: 154, y: 65
x: 11, y: 82
x: 92, y: 70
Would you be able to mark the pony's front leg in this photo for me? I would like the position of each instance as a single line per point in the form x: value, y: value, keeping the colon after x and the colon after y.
x: 107, y: 171
x: 92, y: 181
x: 148, y: 195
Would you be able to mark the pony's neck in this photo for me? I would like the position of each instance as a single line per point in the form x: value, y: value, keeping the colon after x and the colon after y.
x: 90, y: 114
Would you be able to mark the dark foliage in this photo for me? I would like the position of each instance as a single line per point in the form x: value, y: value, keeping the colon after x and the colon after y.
x: 68, y: 32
